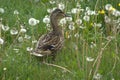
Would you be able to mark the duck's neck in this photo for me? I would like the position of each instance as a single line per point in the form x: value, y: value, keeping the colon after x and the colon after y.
x: 55, y: 26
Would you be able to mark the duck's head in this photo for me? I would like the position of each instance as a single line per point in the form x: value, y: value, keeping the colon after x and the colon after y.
x: 57, y: 13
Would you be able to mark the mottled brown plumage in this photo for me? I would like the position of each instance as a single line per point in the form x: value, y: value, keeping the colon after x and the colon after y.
x: 51, y: 42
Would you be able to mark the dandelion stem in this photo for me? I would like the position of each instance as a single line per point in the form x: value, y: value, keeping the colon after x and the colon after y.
x: 98, y: 59
x: 100, y: 56
x: 49, y: 64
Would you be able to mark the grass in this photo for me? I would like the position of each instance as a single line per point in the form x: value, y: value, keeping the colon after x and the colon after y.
x: 73, y: 61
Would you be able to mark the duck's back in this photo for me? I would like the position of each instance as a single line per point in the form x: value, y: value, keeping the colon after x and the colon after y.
x: 51, y: 42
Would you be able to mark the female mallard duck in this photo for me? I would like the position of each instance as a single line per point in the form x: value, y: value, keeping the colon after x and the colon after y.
x: 52, y: 42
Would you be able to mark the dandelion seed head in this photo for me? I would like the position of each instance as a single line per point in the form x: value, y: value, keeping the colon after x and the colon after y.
x: 107, y: 19
x: 108, y: 6
x: 61, y: 6
x: 92, y: 45
x: 4, y: 68
x: 86, y: 18
x: 20, y: 39
x: 78, y: 21
x: 88, y: 12
x: 76, y: 35
x: 1, y: 41
x: 13, y: 31
x: 33, y: 21
x: 46, y: 20
x: 2, y: 10
x: 71, y: 26
x: 98, y: 76
x: 116, y: 13
x: 113, y: 79
x: 49, y: 10
x: 52, y: 2
x: 29, y: 49
x: 82, y: 27
x: 89, y: 59
x: 63, y: 21
x: 87, y: 8
x: 27, y: 36
x: 34, y: 41
x: 23, y: 30
x: 78, y: 5
x: 5, y: 28
x: 69, y: 19
x: 16, y: 12
x: 74, y: 10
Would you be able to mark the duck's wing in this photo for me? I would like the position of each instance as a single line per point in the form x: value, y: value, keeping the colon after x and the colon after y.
x: 48, y: 44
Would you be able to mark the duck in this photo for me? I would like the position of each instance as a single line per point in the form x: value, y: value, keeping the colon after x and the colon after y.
x: 52, y: 42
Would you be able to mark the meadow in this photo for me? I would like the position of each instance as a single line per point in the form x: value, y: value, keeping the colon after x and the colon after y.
x: 92, y: 40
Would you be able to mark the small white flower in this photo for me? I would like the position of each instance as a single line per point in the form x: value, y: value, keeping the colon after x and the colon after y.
x: 2, y: 10
x: 61, y: 6
x: 69, y: 36
x: 93, y: 13
x: 71, y: 26
x: 16, y: 50
x: 108, y: 6
x: 107, y: 19
x: 78, y: 5
x: 4, y: 68
x: 87, y: 8
x: 89, y: 59
x: 49, y: 10
x: 92, y: 45
x: 74, y: 10
x: 77, y: 35
x: 63, y: 21
x: 33, y: 21
x: 69, y: 19
x: 82, y: 27
x: 46, y: 20
x: 52, y: 2
x: 98, y: 76
x: 97, y: 25
x: 5, y: 28
x: 23, y: 30
x: 34, y: 41
x: 86, y: 18
x: 13, y: 31
x: 20, y: 39
x: 78, y: 21
x: 90, y: 12
x: 16, y: 12
x: 1, y: 41
x: 116, y: 13
x: 113, y: 79
x: 27, y: 36
x: 29, y: 49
